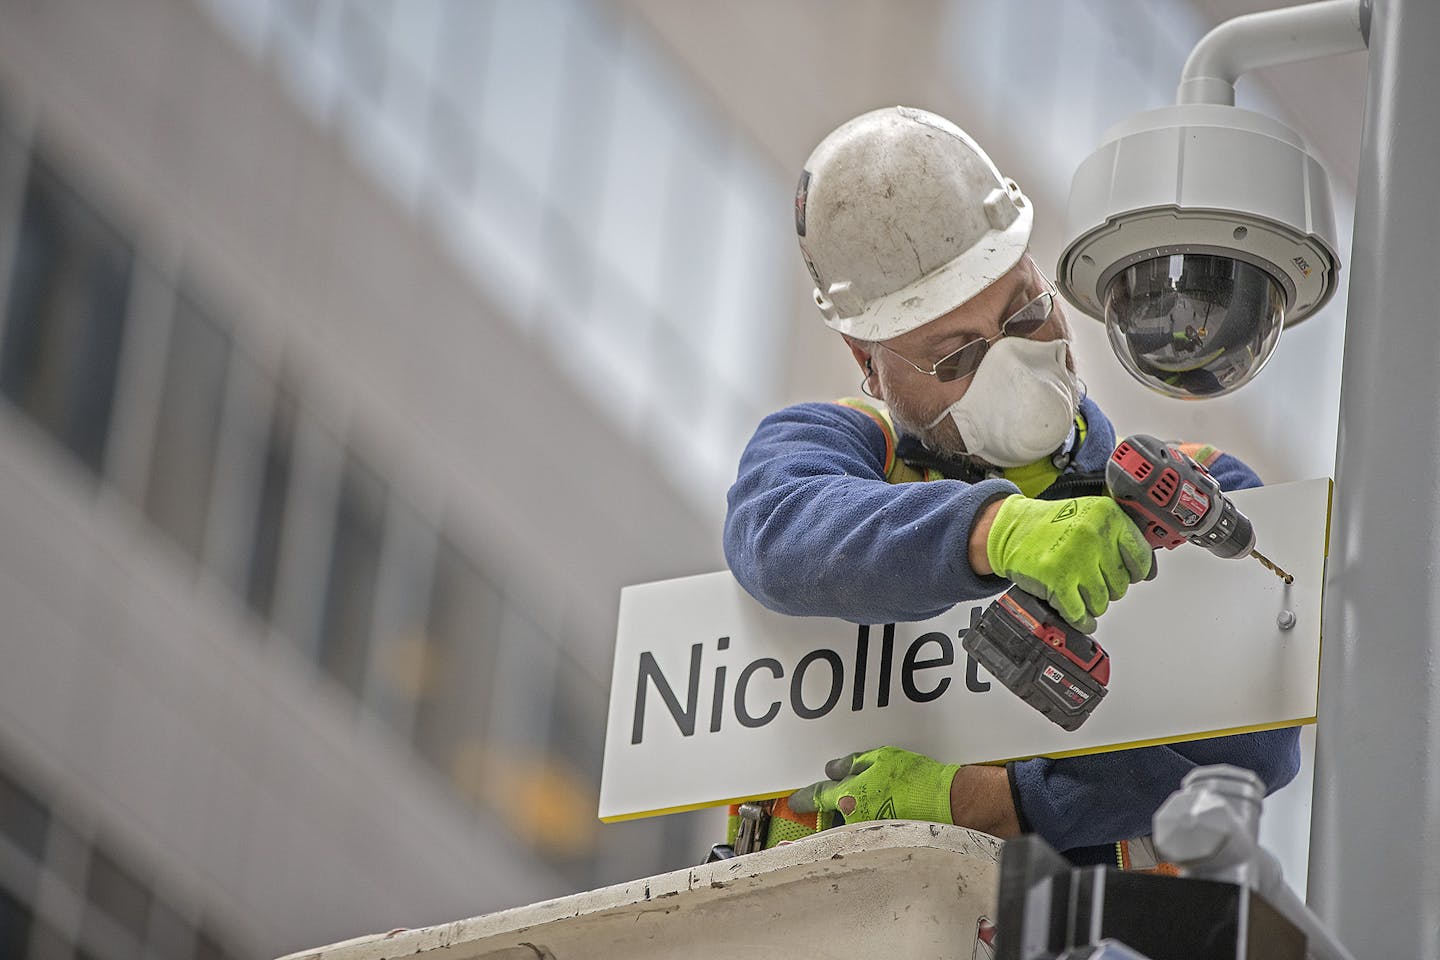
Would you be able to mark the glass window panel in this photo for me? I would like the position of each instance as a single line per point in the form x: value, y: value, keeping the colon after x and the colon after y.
x: 23, y: 817
x: 462, y: 54
x: 298, y: 18
x: 414, y: 37
x: 15, y: 921
x: 65, y: 317
x: 462, y: 635
x: 360, y: 48
x: 588, y: 85
x: 345, y: 626
x: 270, y: 510
x: 520, y: 107
x: 239, y: 470
x: 209, y: 946
x: 403, y: 663
x: 677, y: 839
x: 46, y: 943
x: 301, y: 40
x: 567, y: 782
x: 606, y: 352
x: 390, y: 154
x: 11, y: 161
x: 247, y: 20
x: 657, y: 845
x: 308, y: 532
x: 694, y: 201
x: 565, y: 295
x: 729, y: 419
x: 754, y: 249
x: 495, y: 233
x: 402, y: 124
x: 521, y: 706
x: 538, y: 792
x: 578, y: 732
x: 1070, y: 132
x: 630, y: 228
x: 117, y: 893
x: 172, y: 937
x: 695, y: 466
x: 511, y: 758
x: 67, y: 855
x: 452, y: 145
x: 182, y: 460
x: 676, y: 387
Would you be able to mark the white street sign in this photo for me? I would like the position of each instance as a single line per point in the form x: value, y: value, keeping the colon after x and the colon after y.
x: 716, y: 699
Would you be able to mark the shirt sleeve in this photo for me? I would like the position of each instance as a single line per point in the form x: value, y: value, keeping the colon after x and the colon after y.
x: 1232, y: 473
x: 814, y: 529
x: 1106, y: 797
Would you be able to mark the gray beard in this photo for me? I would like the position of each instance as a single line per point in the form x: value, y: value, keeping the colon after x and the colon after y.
x: 943, y: 439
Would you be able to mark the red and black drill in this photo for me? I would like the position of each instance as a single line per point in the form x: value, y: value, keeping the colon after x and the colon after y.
x: 1045, y: 661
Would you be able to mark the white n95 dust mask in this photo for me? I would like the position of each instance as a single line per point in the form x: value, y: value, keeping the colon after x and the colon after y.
x: 1020, y: 405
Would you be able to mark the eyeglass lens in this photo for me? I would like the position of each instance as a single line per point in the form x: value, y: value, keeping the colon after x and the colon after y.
x: 1022, y: 323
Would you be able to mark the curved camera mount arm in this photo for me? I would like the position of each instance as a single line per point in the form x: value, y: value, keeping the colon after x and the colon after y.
x: 1269, y: 38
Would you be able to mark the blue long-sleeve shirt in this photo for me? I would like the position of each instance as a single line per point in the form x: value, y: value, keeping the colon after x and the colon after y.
x: 815, y: 529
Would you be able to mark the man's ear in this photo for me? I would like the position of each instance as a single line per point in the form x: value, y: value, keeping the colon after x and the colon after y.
x: 863, y: 355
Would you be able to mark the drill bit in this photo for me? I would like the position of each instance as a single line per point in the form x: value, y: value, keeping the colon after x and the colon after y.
x: 1269, y: 564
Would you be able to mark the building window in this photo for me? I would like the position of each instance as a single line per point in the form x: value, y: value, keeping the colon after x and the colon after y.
x: 403, y: 666
x: 65, y: 319
x: 116, y: 893
x: 172, y: 936
x: 270, y: 511
x: 207, y: 947
x: 345, y: 628
x: 14, y: 926
x: 575, y: 756
x: 182, y: 461
x: 360, y: 51
x: 462, y: 632
x: 47, y: 943
x: 23, y: 818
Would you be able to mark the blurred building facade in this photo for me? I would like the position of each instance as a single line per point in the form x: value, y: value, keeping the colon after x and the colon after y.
x: 354, y: 354
x: 342, y: 393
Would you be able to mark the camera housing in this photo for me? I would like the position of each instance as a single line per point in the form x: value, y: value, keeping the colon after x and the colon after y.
x: 1200, y: 231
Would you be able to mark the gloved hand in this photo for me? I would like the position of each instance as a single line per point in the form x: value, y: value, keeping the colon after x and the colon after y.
x: 886, y: 783
x: 1077, y: 555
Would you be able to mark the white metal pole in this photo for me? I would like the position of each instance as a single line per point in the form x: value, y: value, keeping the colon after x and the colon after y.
x: 1375, y: 849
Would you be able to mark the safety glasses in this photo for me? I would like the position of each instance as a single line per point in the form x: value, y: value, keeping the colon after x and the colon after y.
x: 965, y: 361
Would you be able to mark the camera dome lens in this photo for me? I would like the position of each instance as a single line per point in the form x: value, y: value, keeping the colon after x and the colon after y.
x: 1194, y: 325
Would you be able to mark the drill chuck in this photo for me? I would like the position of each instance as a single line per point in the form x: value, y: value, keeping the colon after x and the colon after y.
x: 1230, y: 535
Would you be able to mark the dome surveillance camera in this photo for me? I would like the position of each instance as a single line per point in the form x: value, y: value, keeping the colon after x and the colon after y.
x: 1200, y: 231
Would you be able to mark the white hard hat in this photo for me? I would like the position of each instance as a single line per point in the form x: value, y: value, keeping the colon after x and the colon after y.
x: 902, y: 218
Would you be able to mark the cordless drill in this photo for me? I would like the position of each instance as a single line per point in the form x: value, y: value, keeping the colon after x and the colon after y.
x: 1064, y: 673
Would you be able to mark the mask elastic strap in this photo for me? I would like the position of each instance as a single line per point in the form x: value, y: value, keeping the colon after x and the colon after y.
x: 943, y: 414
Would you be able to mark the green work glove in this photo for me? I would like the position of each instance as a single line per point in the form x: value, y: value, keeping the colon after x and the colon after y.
x: 886, y: 783
x: 1077, y: 555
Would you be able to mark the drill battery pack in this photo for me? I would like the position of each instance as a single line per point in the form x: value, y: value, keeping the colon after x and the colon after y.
x: 1049, y: 664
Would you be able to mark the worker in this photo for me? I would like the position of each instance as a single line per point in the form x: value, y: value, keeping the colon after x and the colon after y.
x: 940, y: 484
